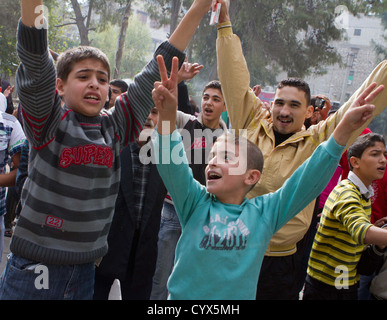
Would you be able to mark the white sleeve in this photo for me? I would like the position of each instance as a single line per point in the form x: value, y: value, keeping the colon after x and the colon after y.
x: 3, y: 102
x: 17, y: 137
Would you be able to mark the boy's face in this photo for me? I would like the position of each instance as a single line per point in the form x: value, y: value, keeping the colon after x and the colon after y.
x: 227, y: 176
x: 289, y: 110
x: 86, y: 89
x: 372, y: 164
x: 212, y: 107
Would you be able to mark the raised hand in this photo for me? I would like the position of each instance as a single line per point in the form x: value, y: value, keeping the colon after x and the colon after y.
x: 357, y: 114
x: 188, y: 71
x: 8, y: 92
x: 164, y: 96
x: 165, y: 91
x: 224, y: 11
x: 361, y: 110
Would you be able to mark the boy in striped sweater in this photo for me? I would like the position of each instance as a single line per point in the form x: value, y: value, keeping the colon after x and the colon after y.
x: 345, y: 226
x: 74, y: 170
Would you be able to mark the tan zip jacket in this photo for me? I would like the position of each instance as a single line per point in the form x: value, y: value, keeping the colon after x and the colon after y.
x: 246, y: 112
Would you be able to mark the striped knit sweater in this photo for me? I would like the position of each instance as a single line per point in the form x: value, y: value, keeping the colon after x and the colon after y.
x: 339, y: 241
x: 74, y: 170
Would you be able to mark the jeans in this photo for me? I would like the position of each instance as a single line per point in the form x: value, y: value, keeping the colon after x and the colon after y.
x: 25, y: 279
x: 169, y: 234
x: 364, y: 285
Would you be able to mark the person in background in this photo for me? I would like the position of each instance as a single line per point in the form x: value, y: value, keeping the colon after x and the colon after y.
x: 345, y: 227
x: 117, y: 87
x: 132, y: 239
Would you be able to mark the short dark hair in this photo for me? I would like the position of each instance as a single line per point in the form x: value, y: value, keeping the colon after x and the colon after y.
x: 361, y: 143
x: 68, y: 58
x: 214, y: 84
x: 299, y: 84
x: 255, y: 159
x: 120, y: 84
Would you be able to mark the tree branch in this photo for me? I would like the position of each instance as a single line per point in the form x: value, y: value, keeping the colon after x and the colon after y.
x: 64, y: 24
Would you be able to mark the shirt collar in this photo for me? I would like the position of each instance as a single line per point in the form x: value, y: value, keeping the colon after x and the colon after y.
x: 367, y: 192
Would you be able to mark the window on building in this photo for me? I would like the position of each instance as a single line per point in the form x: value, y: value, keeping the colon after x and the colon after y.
x: 357, y: 32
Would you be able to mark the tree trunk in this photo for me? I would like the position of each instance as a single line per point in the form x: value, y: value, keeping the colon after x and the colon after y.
x: 88, y: 20
x: 79, y: 20
x: 121, y: 39
x: 175, y: 10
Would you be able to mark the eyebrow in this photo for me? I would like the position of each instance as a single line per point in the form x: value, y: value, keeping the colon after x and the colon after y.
x: 92, y: 70
x: 208, y: 95
x: 292, y: 101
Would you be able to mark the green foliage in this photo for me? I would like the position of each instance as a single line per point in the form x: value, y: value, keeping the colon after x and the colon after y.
x: 58, y: 37
x: 107, y: 12
x: 138, y: 43
x: 9, y: 15
x: 277, y: 35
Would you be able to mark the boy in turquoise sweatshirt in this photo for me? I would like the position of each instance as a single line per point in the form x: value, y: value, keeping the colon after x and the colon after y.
x: 224, y: 234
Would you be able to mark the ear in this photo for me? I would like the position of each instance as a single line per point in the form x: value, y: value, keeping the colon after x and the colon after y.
x: 354, y: 162
x: 309, y: 111
x: 252, y: 177
x: 60, y: 86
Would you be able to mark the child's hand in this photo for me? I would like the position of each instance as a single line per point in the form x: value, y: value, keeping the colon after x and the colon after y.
x: 357, y: 114
x: 164, y: 96
x: 165, y: 91
x: 188, y: 71
x: 8, y: 92
x: 361, y: 110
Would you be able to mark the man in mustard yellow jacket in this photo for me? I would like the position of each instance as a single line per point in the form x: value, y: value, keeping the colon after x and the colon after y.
x: 285, y: 143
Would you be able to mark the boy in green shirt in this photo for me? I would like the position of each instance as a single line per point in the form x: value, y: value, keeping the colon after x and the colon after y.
x: 224, y: 234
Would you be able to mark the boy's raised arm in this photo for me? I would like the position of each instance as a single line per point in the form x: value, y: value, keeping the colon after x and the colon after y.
x: 188, y: 25
x: 28, y: 15
x: 36, y: 75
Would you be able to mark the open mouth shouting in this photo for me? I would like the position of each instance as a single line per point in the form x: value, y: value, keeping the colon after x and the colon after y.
x: 212, y: 176
x: 92, y: 98
x: 382, y: 169
x: 208, y: 111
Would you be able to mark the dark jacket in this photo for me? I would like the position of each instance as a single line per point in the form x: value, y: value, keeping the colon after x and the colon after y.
x: 124, y: 252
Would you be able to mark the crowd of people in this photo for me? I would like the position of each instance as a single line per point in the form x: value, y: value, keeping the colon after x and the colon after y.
x: 131, y: 181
